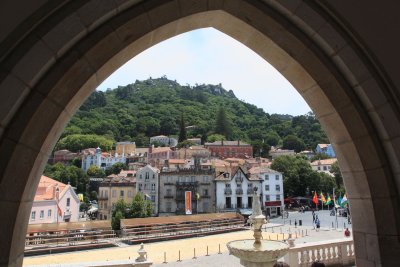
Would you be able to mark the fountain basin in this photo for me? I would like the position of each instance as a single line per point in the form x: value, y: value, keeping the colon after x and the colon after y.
x: 264, y: 254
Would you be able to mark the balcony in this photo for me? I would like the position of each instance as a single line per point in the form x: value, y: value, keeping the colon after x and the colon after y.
x: 169, y: 196
x: 250, y: 191
x: 102, y: 197
x: 239, y: 191
x: 228, y: 191
x: 187, y: 183
x: 205, y: 196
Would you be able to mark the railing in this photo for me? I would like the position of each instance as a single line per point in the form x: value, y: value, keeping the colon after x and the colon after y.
x: 228, y: 191
x: 333, y: 252
x: 239, y: 191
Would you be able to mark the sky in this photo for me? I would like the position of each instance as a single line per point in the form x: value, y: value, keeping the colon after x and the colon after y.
x: 208, y: 56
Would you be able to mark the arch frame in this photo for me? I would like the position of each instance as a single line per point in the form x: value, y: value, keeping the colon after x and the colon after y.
x: 52, y: 65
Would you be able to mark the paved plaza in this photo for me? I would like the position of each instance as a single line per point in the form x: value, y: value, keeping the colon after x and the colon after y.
x: 198, y: 246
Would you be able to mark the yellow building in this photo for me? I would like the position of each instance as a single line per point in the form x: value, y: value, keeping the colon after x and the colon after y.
x: 125, y: 148
x: 112, y: 189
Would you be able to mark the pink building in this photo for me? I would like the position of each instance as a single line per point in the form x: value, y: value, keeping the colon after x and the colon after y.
x: 50, y: 193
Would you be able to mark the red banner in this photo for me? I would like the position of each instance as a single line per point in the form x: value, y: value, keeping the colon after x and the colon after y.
x: 272, y: 203
x: 188, y: 202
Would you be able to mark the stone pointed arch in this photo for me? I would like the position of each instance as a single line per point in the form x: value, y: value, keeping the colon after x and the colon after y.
x: 53, y: 56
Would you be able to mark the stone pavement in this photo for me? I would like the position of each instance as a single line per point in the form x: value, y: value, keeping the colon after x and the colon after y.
x: 186, y: 246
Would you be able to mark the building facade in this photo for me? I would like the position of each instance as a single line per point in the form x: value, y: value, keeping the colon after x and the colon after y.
x: 112, y: 189
x: 174, y: 184
x: 147, y: 183
x: 54, y: 202
x: 164, y: 140
x: 326, y: 149
x: 101, y: 159
x: 229, y: 149
x: 125, y: 148
x: 235, y: 190
x: 271, y: 193
x: 323, y: 165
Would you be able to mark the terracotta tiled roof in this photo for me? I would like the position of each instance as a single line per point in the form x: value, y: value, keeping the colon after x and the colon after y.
x: 176, y: 161
x: 160, y: 149
x: 323, y: 145
x: 47, y: 189
x: 323, y: 162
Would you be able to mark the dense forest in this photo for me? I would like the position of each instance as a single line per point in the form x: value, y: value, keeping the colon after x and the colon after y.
x: 160, y: 106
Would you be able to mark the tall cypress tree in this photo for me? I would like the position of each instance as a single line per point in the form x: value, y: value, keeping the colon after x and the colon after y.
x: 182, y: 130
x: 223, y: 125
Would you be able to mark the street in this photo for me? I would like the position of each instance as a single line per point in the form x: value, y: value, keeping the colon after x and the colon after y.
x: 307, y: 219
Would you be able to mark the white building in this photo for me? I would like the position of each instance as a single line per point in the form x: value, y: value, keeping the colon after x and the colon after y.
x: 54, y: 202
x: 323, y: 165
x: 271, y: 189
x: 100, y: 159
x: 165, y: 140
x: 147, y: 183
x: 235, y: 190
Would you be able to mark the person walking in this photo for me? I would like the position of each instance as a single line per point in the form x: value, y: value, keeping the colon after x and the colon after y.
x: 318, y: 224
x: 295, y: 223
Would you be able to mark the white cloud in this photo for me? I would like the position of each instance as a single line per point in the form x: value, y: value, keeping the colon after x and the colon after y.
x: 209, y: 56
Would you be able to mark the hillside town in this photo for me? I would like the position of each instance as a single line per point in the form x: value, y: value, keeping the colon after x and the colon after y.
x: 219, y: 176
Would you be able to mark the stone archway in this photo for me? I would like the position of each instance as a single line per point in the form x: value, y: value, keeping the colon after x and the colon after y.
x: 59, y: 54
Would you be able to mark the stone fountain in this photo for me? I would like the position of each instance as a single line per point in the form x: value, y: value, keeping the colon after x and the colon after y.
x: 257, y: 252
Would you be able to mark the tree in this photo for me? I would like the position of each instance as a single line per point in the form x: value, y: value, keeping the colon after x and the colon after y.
x: 319, y: 156
x: 138, y: 207
x: 116, y: 168
x: 116, y: 220
x: 222, y: 124
x: 335, y: 170
x: 182, y: 130
x: 293, y: 142
x: 185, y: 144
x: 148, y: 208
x: 78, y: 142
x: 95, y: 171
x: 297, y: 174
x: 215, y: 137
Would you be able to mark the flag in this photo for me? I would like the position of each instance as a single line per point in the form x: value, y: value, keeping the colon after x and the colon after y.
x: 59, y: 211
x: 197, y: 196
x: 323, y: 200
x: 338, y: 201
x: 344, y: 201
x: 80, y: 196
x: 315, y: 198
x: 328, y: 201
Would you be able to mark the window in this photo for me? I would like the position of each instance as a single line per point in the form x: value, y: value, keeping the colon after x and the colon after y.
x: 319, y: 168
x: 277, y: 177
x: 114, y: 193
x: 205, y: 192
x: 153, y: 187
x: 140, y: 176
x: 146, y: 186
x: 205, y: 179
x: 267, y: 187
x: 266, y: 197
x: 277, y: 187
x: 278, y: 197
x: 266, y: 177
x: 325, y: 168
x: 68, y: 202
x: 169, y: 192
x: 105, y: 205
x: 147, y: 176
x: 49, y: 213
x: 129, y: 193
x: 153, y: 198
x: 33, y: 215
x: 121, y: 194
x: 154, y: 176
x: 106, y: 193
x: 168, y: 207
x: 41, y: 214
x: 228, y: 185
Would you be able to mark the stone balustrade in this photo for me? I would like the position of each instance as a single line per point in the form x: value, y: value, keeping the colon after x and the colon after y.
x: 338, y: 252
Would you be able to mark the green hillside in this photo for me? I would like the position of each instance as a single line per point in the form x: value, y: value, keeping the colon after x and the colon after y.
x: 155, y: 106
